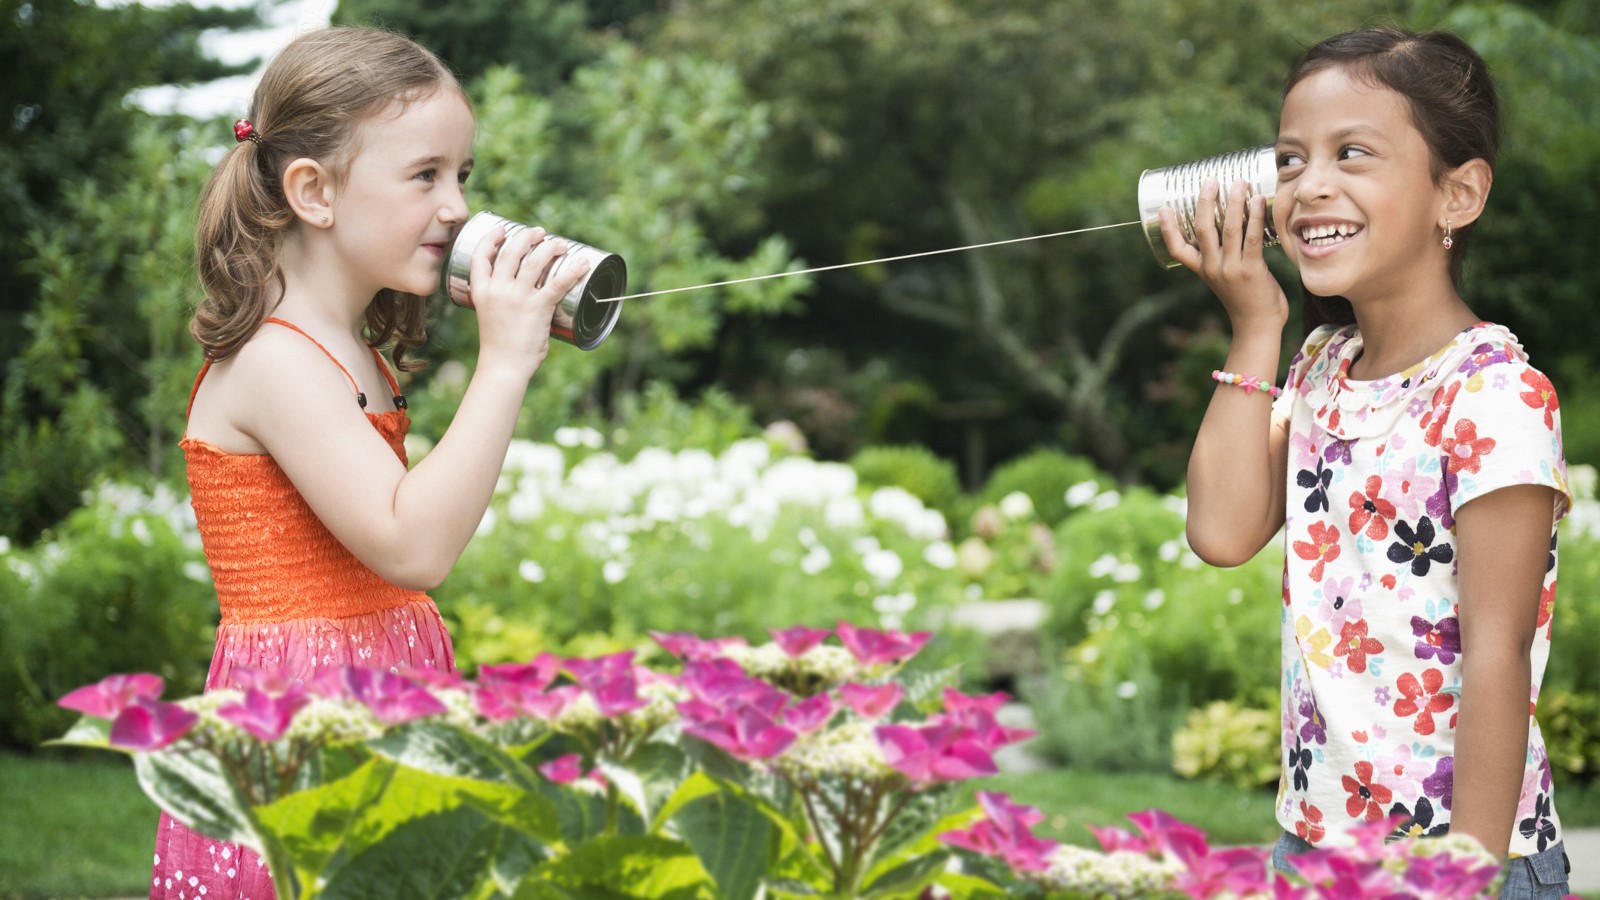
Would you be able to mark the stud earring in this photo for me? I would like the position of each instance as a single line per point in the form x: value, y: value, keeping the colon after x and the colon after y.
x: 1448, y: 242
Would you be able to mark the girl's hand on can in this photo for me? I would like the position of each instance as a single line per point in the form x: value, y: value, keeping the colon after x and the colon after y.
x: 1229, y: 258
x: 516, y: 295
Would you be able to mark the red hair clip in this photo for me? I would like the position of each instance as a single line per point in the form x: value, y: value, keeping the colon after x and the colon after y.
x: 244, y: 131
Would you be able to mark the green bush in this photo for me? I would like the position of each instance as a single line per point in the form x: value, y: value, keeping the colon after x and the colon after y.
x: 119, y: 587
x: 584, y: 552
x: 1103, y: 721
x: 1576, y: 612
x: 916, y: 470
x: 1132, y: 608
x: 1046, y: 476
x: 1224, y: 741
x: 1571, y: 727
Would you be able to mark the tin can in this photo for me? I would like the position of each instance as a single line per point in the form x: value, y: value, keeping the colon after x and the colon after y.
x: 583, y: 318
x: 1178, y: 187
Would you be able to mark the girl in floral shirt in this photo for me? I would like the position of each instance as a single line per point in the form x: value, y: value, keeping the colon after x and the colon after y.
x: 1412, y: 461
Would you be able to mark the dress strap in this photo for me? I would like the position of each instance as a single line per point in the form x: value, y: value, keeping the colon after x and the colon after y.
x: 361, y: 398
x: 206, y: 367
x: 394, y: 386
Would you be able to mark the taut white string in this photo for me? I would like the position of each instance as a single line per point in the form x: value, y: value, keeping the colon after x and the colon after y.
x: 865, y: 262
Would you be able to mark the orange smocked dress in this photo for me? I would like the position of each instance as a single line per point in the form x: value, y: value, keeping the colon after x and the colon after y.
x: 292, y: 597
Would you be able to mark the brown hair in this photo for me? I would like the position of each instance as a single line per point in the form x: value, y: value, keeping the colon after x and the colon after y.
x: 308, y: 104
x: 1453, y: 104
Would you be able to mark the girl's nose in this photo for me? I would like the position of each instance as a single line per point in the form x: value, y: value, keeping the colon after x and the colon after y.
x: 454, y: 211
x: 1315, y: 183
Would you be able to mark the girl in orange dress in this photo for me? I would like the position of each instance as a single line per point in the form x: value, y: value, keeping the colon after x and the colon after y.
x: 320, y: 233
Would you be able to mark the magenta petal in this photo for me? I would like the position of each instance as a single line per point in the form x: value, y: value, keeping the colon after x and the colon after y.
x: 392, y: 699
x: 263, y: 715
x: 905, y: 750
x: 963, y: 760
x: 810, y: 714
x: 797, y: 640
x: 871, y: 702
x: 1113, y: 840
x: 150, y: 725
x: 535, y: 675
x: 870, y: 646
x: 714, y: 681
x: 112, y: 694
x: 563, y: 769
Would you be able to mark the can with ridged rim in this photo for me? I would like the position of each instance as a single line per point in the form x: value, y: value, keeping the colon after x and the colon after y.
x: 1179, y: 188
x: 583, y: 318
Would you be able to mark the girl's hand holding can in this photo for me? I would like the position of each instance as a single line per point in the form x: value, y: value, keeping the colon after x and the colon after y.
x: 1229, y: 259
x: 517, y: 285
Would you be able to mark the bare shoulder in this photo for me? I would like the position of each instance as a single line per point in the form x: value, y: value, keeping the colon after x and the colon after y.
x: 275, y: 374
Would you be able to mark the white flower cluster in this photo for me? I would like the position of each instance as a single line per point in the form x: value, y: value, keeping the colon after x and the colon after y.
x: 849, y: 751
x: 1108, y: 876
x: 822, y: 667
x: 582, y: 715
x: 128, y: 506
x: 334, y: 722
x: 744, y: 487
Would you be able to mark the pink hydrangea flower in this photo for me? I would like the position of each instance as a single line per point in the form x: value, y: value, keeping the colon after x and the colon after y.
x: 809, y: 714
x: 111, y: 695
x: 690, y: 647
x: 799, y: 639
x: 934, y: 753
x: 611, y: 681
x: 871, y: 647
x: 743, y: 730
x: 265, y: 715
x: 147, y: 724
x: 1006, y: 833
x: 391, y: 698
x: 870, y: 702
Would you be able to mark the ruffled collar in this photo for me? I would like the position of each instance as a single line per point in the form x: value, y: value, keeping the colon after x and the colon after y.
x: 1349, y: 409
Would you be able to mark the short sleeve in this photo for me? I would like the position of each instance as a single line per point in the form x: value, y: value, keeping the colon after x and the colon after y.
x: 1503, y: 429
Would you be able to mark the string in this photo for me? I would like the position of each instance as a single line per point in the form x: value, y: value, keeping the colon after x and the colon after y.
x: 865, y: 262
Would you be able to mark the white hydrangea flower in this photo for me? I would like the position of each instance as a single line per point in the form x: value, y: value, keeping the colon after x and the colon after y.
x: 1108, y: 875
x: 849, y: 751
x: 1016, y: 505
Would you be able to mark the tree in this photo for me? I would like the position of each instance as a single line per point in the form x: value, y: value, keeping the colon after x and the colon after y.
x: 66, y: 68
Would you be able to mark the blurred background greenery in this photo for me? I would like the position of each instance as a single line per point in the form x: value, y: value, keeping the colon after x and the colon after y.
x: 889, y: 444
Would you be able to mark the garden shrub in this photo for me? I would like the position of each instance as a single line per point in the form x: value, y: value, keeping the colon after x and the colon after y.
x: 1103, y: 721
x: 1131, y: 605
x: 1571, y: 727
x: 1047, y: 476
x: 1577, y: 602
x: 916, y: 470
x: 584, y: 552
x: 120, y: 586
x: 1224, y: 741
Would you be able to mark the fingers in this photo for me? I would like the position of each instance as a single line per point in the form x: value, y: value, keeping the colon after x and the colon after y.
x: 1177, y: 244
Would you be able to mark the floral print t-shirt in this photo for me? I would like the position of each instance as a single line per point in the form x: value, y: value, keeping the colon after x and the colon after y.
x: 1371, y: 636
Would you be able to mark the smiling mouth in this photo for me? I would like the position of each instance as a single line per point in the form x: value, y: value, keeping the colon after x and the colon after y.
x: 1328, y: 235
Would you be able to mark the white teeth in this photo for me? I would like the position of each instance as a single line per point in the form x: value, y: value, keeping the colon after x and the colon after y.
x: 1325, y: 235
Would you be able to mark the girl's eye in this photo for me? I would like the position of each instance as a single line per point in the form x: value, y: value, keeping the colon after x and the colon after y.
x: 462, y: 178
x: 426, y: 175
x: 1285, y: 160
x: 1351, y: 152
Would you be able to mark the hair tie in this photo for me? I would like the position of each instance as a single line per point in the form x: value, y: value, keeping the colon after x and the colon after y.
x: 244, y: 131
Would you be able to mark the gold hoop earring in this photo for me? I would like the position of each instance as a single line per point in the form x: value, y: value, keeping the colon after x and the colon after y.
x: 1448, y: 242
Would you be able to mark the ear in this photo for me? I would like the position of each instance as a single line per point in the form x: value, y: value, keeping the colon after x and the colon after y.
x: 309, y: 188
x: 1466, y: 190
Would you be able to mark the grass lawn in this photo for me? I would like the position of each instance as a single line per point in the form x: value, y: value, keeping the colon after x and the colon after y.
x: 75, y: 826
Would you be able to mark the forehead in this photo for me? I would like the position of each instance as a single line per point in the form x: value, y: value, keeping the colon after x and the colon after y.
x: 1333, y: 100
x: 438, y: 124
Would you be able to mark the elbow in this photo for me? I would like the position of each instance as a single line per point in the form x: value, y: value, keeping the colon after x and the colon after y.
x: 414, y: 572
x: 1221, y: 550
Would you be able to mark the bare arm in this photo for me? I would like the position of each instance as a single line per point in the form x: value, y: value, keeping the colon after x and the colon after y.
x: 411, y: 526
x: 1504, y: 543
x: 1237, y: 468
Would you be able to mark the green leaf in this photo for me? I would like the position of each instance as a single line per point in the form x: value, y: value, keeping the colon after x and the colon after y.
x: 312, y: 824
x: 788, y: 887
x: 631, y: 865
x: 191, y: 787
x: 925, y: 690
x: 909, y: 878
x: 920, y: 814
x: 694, y: 787
x: 432, y: 746
x: 628, y: 784
x: 733, y: 839
x: 438, y: 855
x: 88, y: 731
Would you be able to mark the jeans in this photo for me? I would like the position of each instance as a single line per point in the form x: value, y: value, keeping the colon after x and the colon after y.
x: 1542, y: 876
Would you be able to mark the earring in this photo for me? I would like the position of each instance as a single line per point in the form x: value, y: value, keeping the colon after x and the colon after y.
x: 1448, y: 242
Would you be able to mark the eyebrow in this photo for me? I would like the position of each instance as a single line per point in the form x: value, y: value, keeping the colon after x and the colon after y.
x: 436, y: 160
x: 1346, y: 132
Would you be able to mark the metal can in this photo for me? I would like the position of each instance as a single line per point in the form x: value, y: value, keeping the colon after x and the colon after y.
x: 585, y: 315
x: 1179, y: 186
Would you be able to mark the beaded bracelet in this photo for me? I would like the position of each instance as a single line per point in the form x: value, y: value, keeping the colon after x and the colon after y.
x: 1250, y: 383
